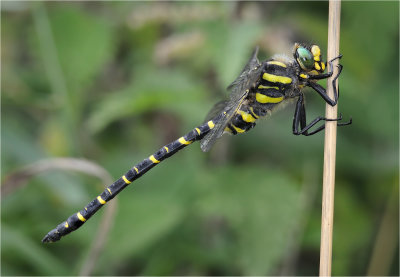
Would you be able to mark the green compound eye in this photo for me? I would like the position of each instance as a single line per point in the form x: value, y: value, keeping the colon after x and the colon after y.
x: 305, y: 58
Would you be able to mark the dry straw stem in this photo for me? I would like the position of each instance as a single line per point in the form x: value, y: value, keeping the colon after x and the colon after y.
x: 330, y: 147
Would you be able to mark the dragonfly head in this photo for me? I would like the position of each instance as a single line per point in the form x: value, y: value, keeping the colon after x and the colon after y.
x: 309, y: 58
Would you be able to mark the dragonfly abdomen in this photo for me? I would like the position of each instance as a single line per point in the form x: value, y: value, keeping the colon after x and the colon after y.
x: 78, y: 219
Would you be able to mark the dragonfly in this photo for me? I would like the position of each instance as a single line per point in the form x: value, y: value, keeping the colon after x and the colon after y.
x: 260, y: 89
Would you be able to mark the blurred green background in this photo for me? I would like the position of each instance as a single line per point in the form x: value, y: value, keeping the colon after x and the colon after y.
x: 112, y: 82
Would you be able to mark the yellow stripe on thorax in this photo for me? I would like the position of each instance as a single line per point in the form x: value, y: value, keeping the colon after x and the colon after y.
x: 237, y: 129
x: 263, y: 99
x: 101, y: 200
x: 247, y: 117
x: 154, y: 160
x: 253, y: 113
x: 80, y: 217
x: 126, y: 180
x: 267, y: 87
x: 277, y: 63
x: 182, y: 140
x: 277, y: 79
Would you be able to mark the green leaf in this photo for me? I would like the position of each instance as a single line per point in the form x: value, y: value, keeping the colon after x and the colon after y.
x: 232, y: 47
x: 15, y: 244
x: 83, y: 42
x: 262, y: 206
x: 152, y: 89
x: 141, y: 221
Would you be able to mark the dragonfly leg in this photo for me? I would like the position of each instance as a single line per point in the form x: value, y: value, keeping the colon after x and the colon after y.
x: 300, y: 126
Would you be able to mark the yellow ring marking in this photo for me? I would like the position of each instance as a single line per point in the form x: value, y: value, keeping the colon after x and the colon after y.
x: 80, y: 217
x: 237, y: 129
x: 182, y: 140
x: 101, y: 200
x: 109, y: 190
x: 211, y: 123
x: 253, y: 113
x: 323, y: 66
x: 166, y: 149
x: 154, y: 160
x: 277, y: 79
x: 247, y: 117
x: 126, y: 180
x: 66, y: 224
x: 198, y: 131
x: 317, y: 67
x: 267, y: 87
x: 277, y: 63
x: 304, y: 76
x: 263, y: 99
x: 137, y: 171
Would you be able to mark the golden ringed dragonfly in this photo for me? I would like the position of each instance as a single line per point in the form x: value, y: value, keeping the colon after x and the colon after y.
x: 256, y: 92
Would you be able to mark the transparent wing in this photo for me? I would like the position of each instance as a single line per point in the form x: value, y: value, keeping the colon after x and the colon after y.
x: 216, y: 110
x: 208, y: 141
x: 250, y: 66
x: 239, y: 90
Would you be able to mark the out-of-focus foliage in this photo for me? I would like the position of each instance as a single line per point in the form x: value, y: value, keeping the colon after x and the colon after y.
x: 114, y: 81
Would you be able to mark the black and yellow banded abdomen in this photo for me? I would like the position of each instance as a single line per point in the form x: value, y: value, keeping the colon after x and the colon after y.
x: 242, y: 121
x: 78, y: 219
